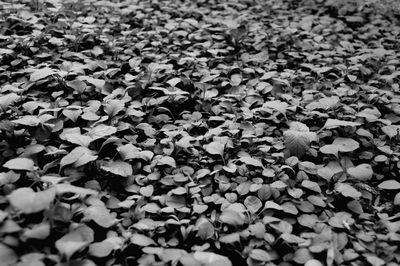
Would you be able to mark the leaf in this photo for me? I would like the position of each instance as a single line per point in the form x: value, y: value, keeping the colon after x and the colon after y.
x: 276, y: 105
x: 302, y: 255
x: 334, y: 123
x: 391, y: 131
x: 41, y: 74
x: 330, y: 149
x: 236, y: 79
x: 374, y: 260
x: 230, y: 238
x: 278, y: 184
x: 129, y: 151
x: 5, y: 51
x: 38, y: 231
x: 101, y: 131
x: 100, y: 215
x: 311, y: 185
x: 346, y: 144
x: 272, y: 205
x: 211, y: 259
x: 7, y: 100
x: 260, y: 255
x: 78, y: 139
x: 389, y: 185
x: 232, y: 217
x: 205, y: 229
x: 68, y: 188
x: 293, y: 239
x: 307, y: 220
x: 396, y: 200
x: 355, y: 206
x: 313, y: 262
x: 72, y: 114
x: 78, y: 85
x: 166, y: 160
x: 28, y: 120
x: 323, y: 103
x: 298, y: 138
x: 113, y: 107
x: 347, y: 190
x: 104, y: 248
x: 25, y: 164
x: 361, y: 172
x: 120, y: 168
x: 7, y: 255
x: 142, y: 240
x: 341, y: 220
x: 29, y: 201
x: 75, y: 241
x: 215, y: 148
x: 252, y: 203
x: 326, y: 173
x: 78, y: 157
x: 251, y: 161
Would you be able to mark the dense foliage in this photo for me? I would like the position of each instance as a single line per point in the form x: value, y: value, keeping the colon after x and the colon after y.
x: 199, y: 133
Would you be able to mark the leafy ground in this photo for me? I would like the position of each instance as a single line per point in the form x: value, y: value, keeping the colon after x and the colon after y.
x: 199, y: 133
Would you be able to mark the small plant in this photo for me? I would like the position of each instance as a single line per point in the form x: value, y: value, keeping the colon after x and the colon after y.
x: 237, y: 32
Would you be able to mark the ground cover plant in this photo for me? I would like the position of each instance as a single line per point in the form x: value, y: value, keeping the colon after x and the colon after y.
x: 199, y: 132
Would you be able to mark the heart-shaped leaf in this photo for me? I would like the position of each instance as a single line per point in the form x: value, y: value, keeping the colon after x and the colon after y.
x: 361, y: 172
